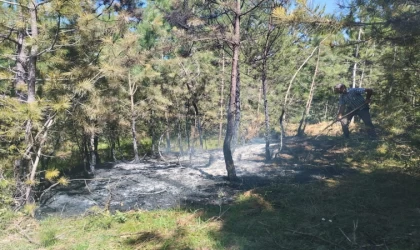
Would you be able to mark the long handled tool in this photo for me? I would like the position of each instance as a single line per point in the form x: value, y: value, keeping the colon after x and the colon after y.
x: 342, y: 117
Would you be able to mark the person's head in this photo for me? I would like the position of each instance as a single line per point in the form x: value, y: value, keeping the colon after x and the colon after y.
x: 340, y: 88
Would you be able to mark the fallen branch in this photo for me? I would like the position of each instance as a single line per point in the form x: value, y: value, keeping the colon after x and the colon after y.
x: 48, y: 189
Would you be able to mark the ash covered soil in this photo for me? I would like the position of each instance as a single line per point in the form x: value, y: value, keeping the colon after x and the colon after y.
x: 199, y: 179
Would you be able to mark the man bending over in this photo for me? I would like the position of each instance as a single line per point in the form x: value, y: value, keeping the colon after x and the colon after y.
x: 351, y: 100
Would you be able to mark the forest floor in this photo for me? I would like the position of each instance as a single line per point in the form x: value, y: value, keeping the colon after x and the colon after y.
x: 200, y: 177
x: 322, y: 192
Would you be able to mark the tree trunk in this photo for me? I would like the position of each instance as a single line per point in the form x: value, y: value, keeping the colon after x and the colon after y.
x: 20, y: 65
x: 301, y: 129
x: 198, y: 125
x: 167, y: 134
x: 95, y: 143
x: 222, y: 97
x: 227, y: 152
x: 181, y: 149
x: 86, y: 158
x: 29, y: 197
x: 187, y: 129
x: 266, y: 115
x: 264, y: 93
x: 112, y: 140
x: 356, y: 56
x: 236, y: 132
x: 33, y: 53
x: 92, y: 152
x: 132, y: 90
x: 134, y: 138
x: 362, y: 76
x: 260, y: 92
x: 354, y: 75
x: 282, y: 130
x: 291, y: 81
x: 30, y: 64
x: 113, y: 155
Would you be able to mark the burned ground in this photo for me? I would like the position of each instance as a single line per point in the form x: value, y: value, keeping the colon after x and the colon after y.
x: 199, y: 179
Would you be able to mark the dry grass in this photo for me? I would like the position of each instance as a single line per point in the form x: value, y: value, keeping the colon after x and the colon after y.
x: 318, y: 129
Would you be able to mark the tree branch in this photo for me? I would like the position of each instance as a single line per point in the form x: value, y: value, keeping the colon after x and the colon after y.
x: 253, y: 8
x: 8, y: 37
x: 55, y: 38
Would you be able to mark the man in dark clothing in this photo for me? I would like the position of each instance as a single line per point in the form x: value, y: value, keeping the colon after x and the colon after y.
x: 353, y: 102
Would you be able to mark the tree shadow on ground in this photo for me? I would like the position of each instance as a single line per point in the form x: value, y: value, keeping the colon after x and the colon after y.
x: 348, y: 195
x: 377, y: 210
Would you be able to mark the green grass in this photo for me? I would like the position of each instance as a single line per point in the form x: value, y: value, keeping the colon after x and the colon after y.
x: 377, y: 206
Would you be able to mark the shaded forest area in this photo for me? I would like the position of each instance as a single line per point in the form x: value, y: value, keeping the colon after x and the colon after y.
x: 85, y: 82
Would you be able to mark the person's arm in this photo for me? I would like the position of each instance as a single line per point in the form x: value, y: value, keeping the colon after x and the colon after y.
x: 369, y: 93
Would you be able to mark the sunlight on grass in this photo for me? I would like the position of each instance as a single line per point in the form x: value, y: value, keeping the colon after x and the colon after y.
x: 170, y: 229
x: 382, y: 149
x: 331, y: 183
x: 397, y: 130
x: 254, y: 201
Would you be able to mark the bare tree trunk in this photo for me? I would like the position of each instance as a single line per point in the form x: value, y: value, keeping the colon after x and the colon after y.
x: 356, y: 55
x: 167, y: 134
x: 301, y: 130
x: 33, y: 53
x: 222, y: 97
x: 132, y: 90
x: 181, y: 150
x: 113, y: 155
x: 86, y: 158
x: 354, y: 75
x: 236, y: 133
x: 30, y: 63
x: 96, y: 142
x: 198, y: 124
x: 294, y: 76
x: 187, y: 129
x: 267, y: 118
x: 264, y: 92
x: 227, y: 152
x: 282, y: 131
x: 29, y: 195
x: 291, y: 81
x: 362, y: 76
x: 112, y: 140
x: 179, y: 132
x: 260, y: 92
x: 20, y: 64
x: 92, y: 164
x: 134, y: 138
